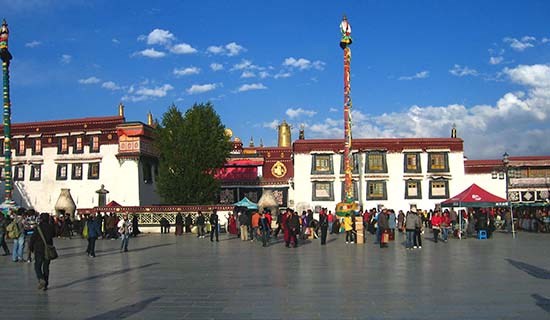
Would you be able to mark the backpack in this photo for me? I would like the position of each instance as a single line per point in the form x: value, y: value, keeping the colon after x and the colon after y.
x: 13, y: 230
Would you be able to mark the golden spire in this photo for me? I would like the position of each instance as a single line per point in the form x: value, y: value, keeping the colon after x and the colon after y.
x: 150, y: 119
x: 120, y: 110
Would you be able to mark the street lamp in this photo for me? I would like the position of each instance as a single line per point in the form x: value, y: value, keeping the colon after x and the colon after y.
x: 506, y: 164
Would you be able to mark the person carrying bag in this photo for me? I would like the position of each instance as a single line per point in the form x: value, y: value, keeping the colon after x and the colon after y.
x: 44, y: 251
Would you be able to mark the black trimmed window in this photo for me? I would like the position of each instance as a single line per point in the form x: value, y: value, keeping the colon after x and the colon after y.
x: 94, y: 144
x: 63, y: 146
x: 322, y: 164
x: 78, y: 145
x: 354, y: 164
x: 438, y: 162
x: 412, y: 162
x: 147, y: 172
x: 376, y: 162
x: 19, y: 172
x: 76, y: 171
x: 354, y: 191
x: 376, y: 190
x: 93, y: 171
x: 61, y: 171
x: 322, y: 191
x: 36, y: 172
x: 413, y: 189
x: 37, y: 147
x: 439, y: 189
x: 20, y: 151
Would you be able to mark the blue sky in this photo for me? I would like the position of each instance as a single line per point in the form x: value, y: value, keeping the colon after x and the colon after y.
x: 417, y: 66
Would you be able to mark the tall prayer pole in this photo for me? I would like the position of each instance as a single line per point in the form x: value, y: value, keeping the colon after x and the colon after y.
x: 6, y: 57
x: 348, y: 205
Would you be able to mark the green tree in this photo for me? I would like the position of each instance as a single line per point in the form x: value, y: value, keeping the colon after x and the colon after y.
x: 192, y: 148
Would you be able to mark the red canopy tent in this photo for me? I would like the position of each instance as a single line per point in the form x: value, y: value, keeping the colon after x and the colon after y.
x: 474, y: 197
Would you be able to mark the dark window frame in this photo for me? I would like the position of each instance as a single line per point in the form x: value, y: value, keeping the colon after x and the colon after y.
x: 418, y: 188
x: 33, y: 172
x: 73, y: 171
x: 90, y: 171
x: 92, y: 150
x: 355, y: 188
x: 446, y: 195
x: 355, y: 164
x: 445, y: 159
x: 331, y: 191
x: 314, y: 162
x: 81, y: 150
x: 418, y: 163
x: 60, y: 145
x: 18, y: 151
x: 384, y: 189
x: 20, y: 168
x: 36, y: 152
x: 384, y: 162
x: 58, y: 175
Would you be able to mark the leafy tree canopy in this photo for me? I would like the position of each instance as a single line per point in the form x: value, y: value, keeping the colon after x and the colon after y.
x: 192, y: 147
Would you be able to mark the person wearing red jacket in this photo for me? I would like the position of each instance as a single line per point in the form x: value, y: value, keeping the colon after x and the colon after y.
x: 436, y: 224
x: 445, y: 225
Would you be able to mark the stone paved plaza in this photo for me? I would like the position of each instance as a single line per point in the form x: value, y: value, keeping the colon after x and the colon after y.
x: 164, y: 277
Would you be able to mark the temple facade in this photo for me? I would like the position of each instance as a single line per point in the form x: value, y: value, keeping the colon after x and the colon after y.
x: 96, y: 159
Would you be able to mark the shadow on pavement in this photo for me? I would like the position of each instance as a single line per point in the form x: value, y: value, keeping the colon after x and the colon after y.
x: 531, y: 269
x: 126, y: 311
x: 542, y: 302
x: 103, y: 275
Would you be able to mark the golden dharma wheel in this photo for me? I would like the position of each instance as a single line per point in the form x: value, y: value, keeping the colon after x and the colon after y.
x: 228, y: 132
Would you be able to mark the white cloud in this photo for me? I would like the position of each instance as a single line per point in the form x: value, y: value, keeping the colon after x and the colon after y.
x: 110, y: 85
x: 158, y: 36
x: 248, y: 74
x: 303, y: 63
x: 115, y: 40
x: 517, y: 122
x: 496, y: 60
x: 460, y: 71
x: 245, y: 65
x: 158, y: 92
x: 186, y: 71
x: 144, y: 93
x: 216, y: 66
x: 282, y: 75
x: 201, y: 88
x: 230, y: 49
x: 183, y: 48
x: 90, y: 80
x: 151, y: 53
x: 65, y: 59
x: 271, y: 125
x: 333, y: 110
x: 263, y: 74
x: 33, y: 44
x: 253, y: 86
x: 520, y: 44
x: 295, y: 113
x: 545, y: 40
x: 419, y: 75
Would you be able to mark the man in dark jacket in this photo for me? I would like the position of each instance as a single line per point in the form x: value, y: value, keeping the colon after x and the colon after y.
x: 214, y: 225
x: 293, y: 225
x: 94, y: 231
x: 323, y: 223
x: 41, y: 264
x: 383, y: 225
x: 200, y: 225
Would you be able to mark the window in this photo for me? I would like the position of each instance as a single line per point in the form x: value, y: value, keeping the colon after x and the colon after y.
x: 439, y: 189
x: 93, y: 170
x: 322, y: 191
x: 322, y: 164
x: 94, y: 144
x: 413, y: 189
x: 147, y: 172
x: 76, y: 171
x: 19, y: 173
x: 376, y: 190
x: 438, y: 162
x: 354, y: 164
x: 354, y: 192
x: 20, y: 148
x: 36, y: 172
x: 37, y: 148
x: 78, y: 145
x: 63, y: 146
x: 412, y: 163
x: 61, y: 171
x: 376, y: 162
